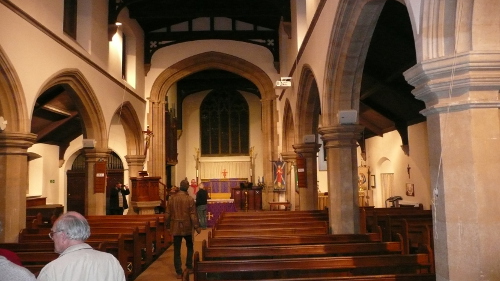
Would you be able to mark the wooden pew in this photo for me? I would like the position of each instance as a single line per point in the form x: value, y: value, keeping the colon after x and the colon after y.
x: 295, y: 251
x: 46, y: 246
x: 384, y: 221
x: 163, y: 237
x: 270, y: 231
x: 279, y: 215
x: 414, y: 232
x: 385, y: 277
x: 244, y: 225
x: 147, y: 234
x: 311, y: 267
x: 122, y: 245
x: 291, y: 240
x: 144, y: 238
x: 373, y: 217
x: 35, y: 261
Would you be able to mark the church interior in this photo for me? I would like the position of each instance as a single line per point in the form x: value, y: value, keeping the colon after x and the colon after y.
x: 305, y: 108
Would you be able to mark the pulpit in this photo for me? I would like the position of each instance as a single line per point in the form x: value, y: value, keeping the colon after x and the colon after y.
x: 145, y: 194
x: 247, y: 198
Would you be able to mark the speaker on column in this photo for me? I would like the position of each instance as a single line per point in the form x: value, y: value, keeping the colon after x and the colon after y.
x: 348, y: 116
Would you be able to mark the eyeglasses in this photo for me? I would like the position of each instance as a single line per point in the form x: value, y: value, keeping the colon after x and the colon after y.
x: 51, y: 234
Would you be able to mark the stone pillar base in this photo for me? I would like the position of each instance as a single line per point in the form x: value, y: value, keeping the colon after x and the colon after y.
x: 145, y: 207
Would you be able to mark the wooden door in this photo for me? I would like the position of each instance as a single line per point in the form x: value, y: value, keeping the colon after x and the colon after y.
x: 77, y: 188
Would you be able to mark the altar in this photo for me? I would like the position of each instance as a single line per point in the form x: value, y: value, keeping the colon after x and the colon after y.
x: 215, y: 207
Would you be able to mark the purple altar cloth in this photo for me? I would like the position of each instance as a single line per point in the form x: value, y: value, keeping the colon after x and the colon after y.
x: 215, y: 209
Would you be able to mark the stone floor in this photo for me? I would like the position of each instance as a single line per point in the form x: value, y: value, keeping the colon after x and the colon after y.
x: 162, y: 269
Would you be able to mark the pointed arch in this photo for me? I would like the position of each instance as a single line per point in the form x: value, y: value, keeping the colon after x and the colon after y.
x: 210, y: 60
x: 199, y: 62
x: 85, y: 99
x: 132, y: 128
x: 13, y: 105
x: 308, y: 103
x: 288, y: 128
x: 353, y: 28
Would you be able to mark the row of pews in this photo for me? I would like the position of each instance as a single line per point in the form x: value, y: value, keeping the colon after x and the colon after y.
x: 296, y: 246
x: 413, y: 224
x: 135, y: 240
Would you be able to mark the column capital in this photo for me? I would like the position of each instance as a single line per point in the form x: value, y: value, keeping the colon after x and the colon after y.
x: 16, y: 143
x: 307, y: 149
x: 156, y: 102
x: 289, y: 156
x: 457, y: 83
x: 340, y: 135
x: 96, y: 154
x: 135, y: 160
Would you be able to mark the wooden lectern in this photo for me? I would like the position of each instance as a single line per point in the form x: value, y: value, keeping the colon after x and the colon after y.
x: 145, y: 194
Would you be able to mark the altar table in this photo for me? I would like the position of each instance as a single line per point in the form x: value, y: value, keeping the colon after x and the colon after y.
x: 215, y: 207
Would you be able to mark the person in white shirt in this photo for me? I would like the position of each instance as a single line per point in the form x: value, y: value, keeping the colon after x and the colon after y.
x: 10, y: 271
x: 77, y: 260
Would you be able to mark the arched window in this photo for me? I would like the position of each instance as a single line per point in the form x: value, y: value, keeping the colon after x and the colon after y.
x: 224, y: 124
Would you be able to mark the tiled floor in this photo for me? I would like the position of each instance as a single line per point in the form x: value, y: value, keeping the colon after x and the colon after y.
x: 163, y: 268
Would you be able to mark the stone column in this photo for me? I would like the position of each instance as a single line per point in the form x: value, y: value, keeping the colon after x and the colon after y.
x: 309, y: 196
x: 289, y: 158
x: 13, y: 182
x: 269, y: 149
x: 135, y: 165
x: 156, y: 154
x: 96, y: 202
x: 463, y: 126
x: 340, y: 145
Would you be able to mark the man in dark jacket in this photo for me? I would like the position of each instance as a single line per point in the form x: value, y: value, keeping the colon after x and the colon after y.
x: 181, y: 219
x: 201, y: 205
x: 118, y: 199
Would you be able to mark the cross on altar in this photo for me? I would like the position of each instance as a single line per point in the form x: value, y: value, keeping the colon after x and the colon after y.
x: 209, y: 216
x: 224, y: 173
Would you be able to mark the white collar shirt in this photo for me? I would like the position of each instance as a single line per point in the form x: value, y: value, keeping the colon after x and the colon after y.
x: 82, y: 263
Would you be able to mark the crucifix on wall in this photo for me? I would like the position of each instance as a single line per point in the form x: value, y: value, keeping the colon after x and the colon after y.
x: 224, y: 173
x: 147, y: 139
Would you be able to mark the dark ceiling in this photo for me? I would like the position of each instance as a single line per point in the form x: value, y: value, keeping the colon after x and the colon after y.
x: 387, y: 103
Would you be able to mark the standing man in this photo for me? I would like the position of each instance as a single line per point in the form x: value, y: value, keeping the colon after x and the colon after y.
x: 201, y: 205
x: 181, y: 219
x: 77, y: 260
x: 118, y: 199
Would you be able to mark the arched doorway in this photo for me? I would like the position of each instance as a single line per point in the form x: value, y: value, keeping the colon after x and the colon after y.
x: 76, y: 181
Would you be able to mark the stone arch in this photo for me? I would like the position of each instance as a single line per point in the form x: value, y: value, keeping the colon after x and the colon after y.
x: 439, y: 32
x: 353, y: 27
x: 288, y: 128
x: 85, y: 99
x: 132, y: 128
x: 196, y: 63
x: 14, y: 143
x: 13, y: 105
x: 308, y: 108
x: 308, y: 104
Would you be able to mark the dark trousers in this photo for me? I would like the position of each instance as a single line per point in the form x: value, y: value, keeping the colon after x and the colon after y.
x: 118, y: 211
x: 177, y: 252
x: 202, y: 215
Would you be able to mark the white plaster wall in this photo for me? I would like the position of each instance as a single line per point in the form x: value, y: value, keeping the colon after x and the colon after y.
x: 385, y: 155
x: 44, y: 170
x: 314, y: 57
x: 24, y: 46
